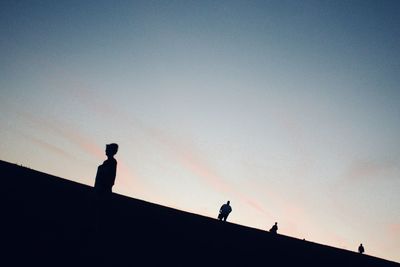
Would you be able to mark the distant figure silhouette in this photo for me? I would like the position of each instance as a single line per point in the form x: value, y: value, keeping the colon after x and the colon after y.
x: 224, y: 211
x: 361, y: 249
x: 274, y: 228
x: 106, y: 172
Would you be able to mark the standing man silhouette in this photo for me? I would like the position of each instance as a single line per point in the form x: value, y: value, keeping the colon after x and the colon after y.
x: 224, y: 211
x: 361, y: 249
x: 102, y: 211
x: 107, y: 171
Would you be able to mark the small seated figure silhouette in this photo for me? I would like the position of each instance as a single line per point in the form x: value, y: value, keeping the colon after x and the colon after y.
x: 361, y: 249
x: 106, y: 172
x: 224, y: 211
x: 274, y: 228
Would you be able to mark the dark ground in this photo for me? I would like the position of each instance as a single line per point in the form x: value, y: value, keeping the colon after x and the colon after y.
x: 50, y: 221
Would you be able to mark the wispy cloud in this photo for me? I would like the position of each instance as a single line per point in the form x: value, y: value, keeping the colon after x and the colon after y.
x: 127, y: 180
x: 393, y: 229
x: 47, y: 146
x: 367, y: 169
x: 68, y: 132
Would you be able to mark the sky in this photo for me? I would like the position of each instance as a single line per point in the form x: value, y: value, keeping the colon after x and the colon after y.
x: 289, y: 109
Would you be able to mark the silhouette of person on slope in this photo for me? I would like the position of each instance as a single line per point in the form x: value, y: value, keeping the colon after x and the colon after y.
x: 274, y: 228
x: 224, y: 211
x: 105, y: 178
x: 107, y: 171
x: 361, y: 249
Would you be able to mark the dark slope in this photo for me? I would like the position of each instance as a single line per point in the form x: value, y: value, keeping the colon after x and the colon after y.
x: 52, y: 221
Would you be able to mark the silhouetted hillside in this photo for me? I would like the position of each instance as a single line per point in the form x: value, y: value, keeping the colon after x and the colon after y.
x: 52, y: 221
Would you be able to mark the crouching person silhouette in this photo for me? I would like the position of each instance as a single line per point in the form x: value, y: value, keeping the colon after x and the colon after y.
x: 274, y: 228
x: 224, y: 211
x: 361, y: 249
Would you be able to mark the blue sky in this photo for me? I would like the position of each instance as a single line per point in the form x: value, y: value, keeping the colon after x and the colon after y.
x: 290, y: 110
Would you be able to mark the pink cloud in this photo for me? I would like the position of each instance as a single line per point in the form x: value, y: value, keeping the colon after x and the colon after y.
x: 48, y: 146
x: 127, y: 180
x: 67, y: 132
x: 364, y: 169
x: 394, y: 229
x: 78, y: 89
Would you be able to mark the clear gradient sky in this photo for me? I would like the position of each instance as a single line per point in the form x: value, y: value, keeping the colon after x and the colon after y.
x: 289, y: 109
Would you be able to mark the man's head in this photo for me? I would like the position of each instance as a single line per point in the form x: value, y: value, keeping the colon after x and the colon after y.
x: 111, y: 149
x: 228, y: 202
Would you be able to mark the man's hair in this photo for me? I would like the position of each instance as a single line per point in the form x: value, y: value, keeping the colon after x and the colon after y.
x: 113, y: 147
